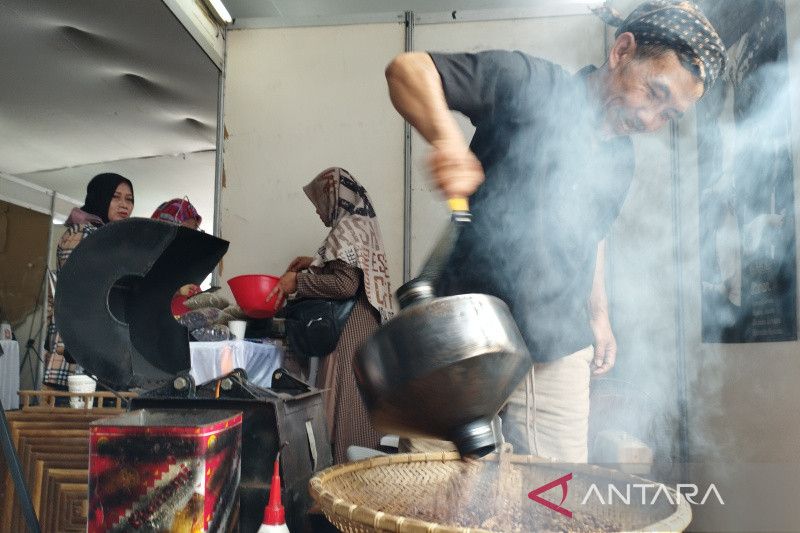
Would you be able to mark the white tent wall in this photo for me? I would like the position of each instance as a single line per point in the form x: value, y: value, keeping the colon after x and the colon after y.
x: 297, y: 101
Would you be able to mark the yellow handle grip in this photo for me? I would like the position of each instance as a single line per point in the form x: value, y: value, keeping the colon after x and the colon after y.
x: 458, y: 204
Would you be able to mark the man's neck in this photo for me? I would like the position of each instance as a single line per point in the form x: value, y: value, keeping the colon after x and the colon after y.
x: 595, y: 89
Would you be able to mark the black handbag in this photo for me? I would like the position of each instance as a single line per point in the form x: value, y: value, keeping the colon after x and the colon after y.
x: 314, y: 325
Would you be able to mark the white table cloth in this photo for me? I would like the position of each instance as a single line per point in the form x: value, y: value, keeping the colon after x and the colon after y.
x: 9, y: 374
x: 211, y: 360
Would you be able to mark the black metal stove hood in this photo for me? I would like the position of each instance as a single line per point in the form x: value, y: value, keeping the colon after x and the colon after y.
x: 112, y: 304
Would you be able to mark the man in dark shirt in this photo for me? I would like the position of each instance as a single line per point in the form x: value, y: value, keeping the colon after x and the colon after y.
x: 547, y: 170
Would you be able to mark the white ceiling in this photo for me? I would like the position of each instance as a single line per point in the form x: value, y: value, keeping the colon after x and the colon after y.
x: 266, y: 13
x: 106, y: 85
x: 119, y: 85
x: 335, y: 8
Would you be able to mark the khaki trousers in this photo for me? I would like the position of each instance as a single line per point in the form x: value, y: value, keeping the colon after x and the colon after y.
x: 548, y: 415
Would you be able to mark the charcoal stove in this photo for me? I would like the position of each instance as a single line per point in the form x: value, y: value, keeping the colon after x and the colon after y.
x: 113, y: 311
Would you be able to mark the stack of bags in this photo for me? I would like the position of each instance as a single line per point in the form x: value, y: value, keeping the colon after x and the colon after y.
x: 208, y: 316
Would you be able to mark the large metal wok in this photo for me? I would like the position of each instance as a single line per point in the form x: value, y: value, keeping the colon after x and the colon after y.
x: 443, y: 367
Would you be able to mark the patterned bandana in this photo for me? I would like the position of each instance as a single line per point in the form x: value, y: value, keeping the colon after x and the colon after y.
x: 355, y: 236
x: 176, y: 211
x: 679, y: 25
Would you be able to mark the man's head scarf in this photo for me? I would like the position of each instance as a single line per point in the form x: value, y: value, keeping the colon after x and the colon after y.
x: 679, y: 25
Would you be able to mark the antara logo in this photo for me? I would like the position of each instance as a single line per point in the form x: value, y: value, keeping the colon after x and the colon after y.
x: 651, y: 493
x: 562, y: 481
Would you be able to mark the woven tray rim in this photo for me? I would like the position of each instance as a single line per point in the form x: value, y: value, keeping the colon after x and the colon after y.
x: 337, y: 509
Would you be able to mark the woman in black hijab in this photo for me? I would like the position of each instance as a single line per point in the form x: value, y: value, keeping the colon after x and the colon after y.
x: 109, y: 198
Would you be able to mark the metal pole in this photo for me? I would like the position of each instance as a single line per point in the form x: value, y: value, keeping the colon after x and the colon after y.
x: 409, y: 46
x: 219, y: 167
x: 45, y: 284
x: 680, y: 334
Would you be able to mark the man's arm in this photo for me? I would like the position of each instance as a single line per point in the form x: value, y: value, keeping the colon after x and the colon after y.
x: 415, y: 88
x: 605, y: 345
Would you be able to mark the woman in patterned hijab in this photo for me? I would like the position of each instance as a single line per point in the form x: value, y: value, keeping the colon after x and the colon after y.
x: 350, y: 262
x: 355, y: 237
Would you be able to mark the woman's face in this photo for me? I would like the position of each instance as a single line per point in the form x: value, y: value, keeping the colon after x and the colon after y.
x: 121, y: 203
x: 322, y: 217
x: 191, y: 223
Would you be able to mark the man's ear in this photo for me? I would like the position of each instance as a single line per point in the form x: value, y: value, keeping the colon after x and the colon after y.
x: 623, y: 51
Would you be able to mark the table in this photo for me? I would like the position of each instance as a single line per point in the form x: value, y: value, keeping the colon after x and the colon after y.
x: 9, y: 374
x: 211, y: 360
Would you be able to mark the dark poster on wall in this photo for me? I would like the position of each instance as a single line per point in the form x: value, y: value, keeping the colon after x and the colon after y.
x: 747, y: 222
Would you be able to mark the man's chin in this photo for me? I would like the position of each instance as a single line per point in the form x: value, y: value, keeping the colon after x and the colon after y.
x: 621, y: 129
x: 609, y: 131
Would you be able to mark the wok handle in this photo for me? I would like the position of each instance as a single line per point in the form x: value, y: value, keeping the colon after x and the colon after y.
x: 459, y: 215
x: 459, y: 210
x: 458, y: 204
x: 423, y: 286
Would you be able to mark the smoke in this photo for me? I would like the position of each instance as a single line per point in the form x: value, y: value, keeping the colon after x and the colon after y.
x: 747, y: 227
x: 737, y: 279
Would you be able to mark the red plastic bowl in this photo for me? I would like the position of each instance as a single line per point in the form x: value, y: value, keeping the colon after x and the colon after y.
x: 177, y: 305
x: 251, y: 292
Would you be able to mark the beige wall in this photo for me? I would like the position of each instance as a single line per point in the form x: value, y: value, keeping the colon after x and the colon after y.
x: 298, y: 101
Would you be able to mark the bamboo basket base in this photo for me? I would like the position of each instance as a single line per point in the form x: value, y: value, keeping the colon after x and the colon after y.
x: 439, y: 493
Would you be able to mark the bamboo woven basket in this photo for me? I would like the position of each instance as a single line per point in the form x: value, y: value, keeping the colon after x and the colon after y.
x: 385, y: 493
